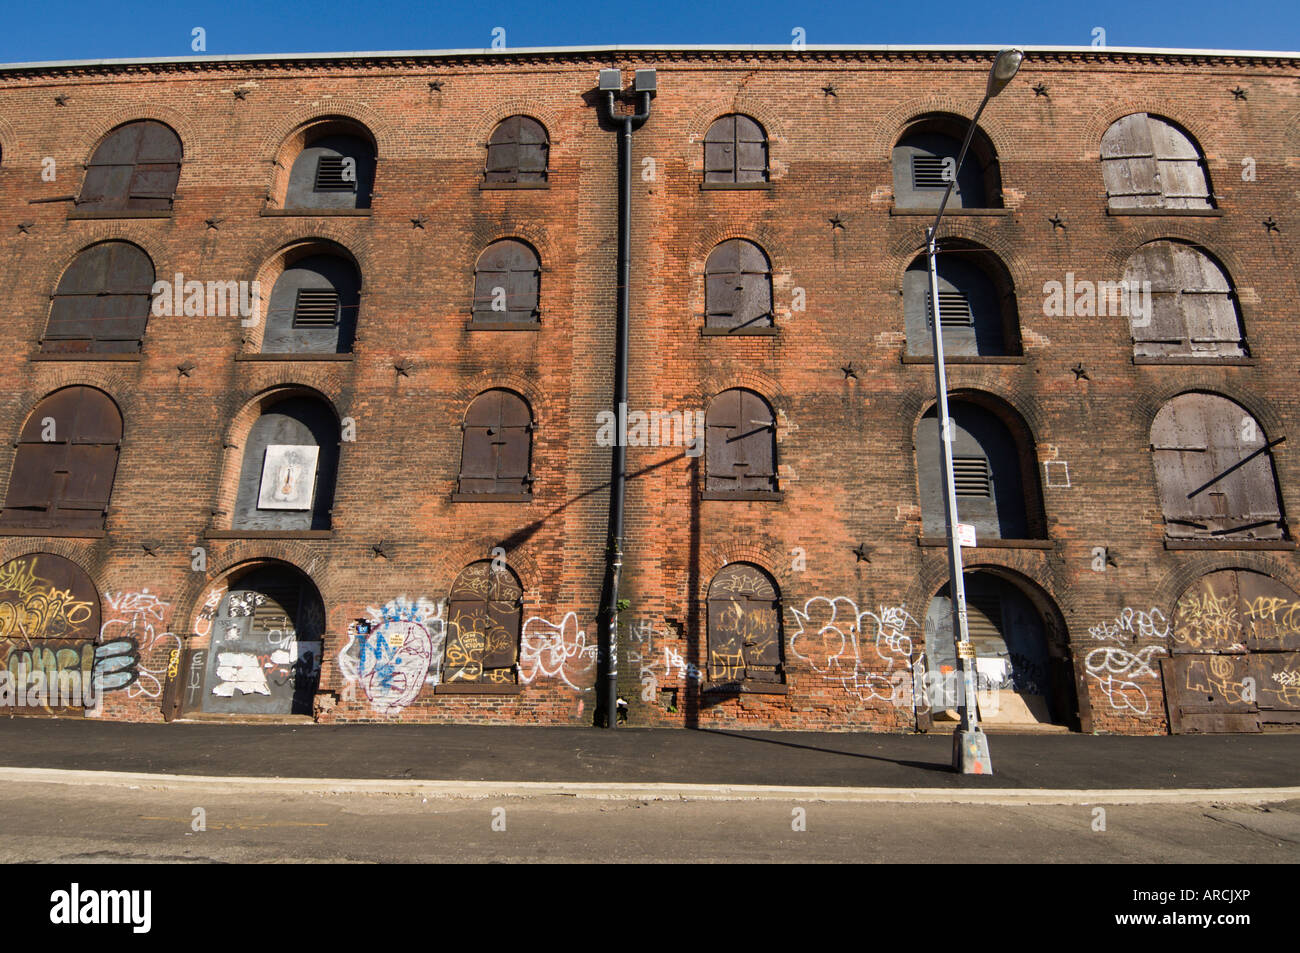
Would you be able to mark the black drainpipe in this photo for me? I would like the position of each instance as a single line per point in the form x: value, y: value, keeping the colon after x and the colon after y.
x: 644, y: 89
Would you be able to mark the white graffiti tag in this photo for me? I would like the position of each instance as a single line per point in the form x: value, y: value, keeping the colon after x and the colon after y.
x: 140, y: 616
x: 830, y: 637
x: 1134, y: 624
x: 1116, y: 671
x: 556, y: 651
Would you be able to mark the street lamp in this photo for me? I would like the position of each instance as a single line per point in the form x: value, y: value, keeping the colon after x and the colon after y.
x: 970, y: 746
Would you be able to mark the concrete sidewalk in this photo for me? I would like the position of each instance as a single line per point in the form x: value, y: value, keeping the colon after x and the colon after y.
x: 639, y: 757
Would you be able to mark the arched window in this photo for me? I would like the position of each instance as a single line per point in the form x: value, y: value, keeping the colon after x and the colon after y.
x: 745, y: 639
x: 507, y: 285
x: 925, y: 157
x: 518, y: 152
x: 286, y: 481
x: 740, y: 442
x: 737, y: 288
x: 313, y: 307
x: 1193, y: 308
x: 483, y: 622
x: 1214, y: 469
x: 996, y: 474
x: 67, y: 457
x: 735, y: 151
x: 497, y: 450
x: 1024, y: 675
x: 1148, y: 162
x: 135, y: 170
x: 101, y: 305
x: 267, y: 640
x: 336, y: 169
x: 977, y: 304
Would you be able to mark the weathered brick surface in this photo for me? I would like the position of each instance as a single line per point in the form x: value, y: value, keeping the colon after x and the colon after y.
x: 847, y: 444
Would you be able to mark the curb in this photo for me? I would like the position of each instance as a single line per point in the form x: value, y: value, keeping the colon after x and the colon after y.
x: 621, y: 791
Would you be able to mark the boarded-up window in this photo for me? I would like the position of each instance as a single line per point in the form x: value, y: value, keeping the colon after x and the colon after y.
x: 135, y: 169
x: 518, y: 151
x: 1214, y: 471
x: 991, y: 491
x: 313, y: 307
x: 101, y: 305
x: 738, y: 287
x: 745, y: 641
x: 740, y: 440
x: 735, y: 150
x: 286, y: 481
x: 1148, y: 162
x: 334, y: 171
x: 925, y: 158
x: 67, y: 457
x: 507, y: 284
x: 483, y: 623
x: 977, y: 308
x: 497, y: 448
x: 1193, y: 308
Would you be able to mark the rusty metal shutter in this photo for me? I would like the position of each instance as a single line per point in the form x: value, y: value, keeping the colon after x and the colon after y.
x: 512, y: 267
x: 1148, y: 162
x: 316, y: 308
x: 975, y: 317
x: 323, y: 177
x: 1193, y: 306
x: 135, y: 169
x: 918, y: 170
x: 101, y: 304
x: 484, y: 620
x: 735, y: 150
x: 1214, y: 483
x: 497, y: 449
x: 66, y: 482
x: 313, y: 307
x: 518, y: 151
x: 745, y: 638
x: 738, y: 287
x: 740, y: 443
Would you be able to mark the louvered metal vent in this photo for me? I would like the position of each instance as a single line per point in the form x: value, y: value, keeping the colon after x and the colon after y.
x: 954, y: 310
x: 972, y: 476
x: 983, y: 617
x: 927, y: 172
x: 329, y: 175
x: 316, y: 309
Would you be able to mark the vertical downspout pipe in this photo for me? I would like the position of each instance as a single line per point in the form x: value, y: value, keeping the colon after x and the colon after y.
x: 627, y: 124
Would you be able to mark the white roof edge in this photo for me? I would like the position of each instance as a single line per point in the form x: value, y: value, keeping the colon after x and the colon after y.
x: 642, y: 48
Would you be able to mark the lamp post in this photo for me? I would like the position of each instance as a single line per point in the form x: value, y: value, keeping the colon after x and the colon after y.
x: 970, y: 746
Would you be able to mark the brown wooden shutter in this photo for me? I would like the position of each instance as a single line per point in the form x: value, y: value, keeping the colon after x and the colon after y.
x: 744, y: 618
x: 1194, y: 309
x: 1213, y: 483
x: 497, y: 448
x: 135, y: 169
x: 518, y: 151
x: 514, y: 267
x: 738, y: 287
x: 1147, y: 162
x: 740, y: 443
x: 735, y: 150
x: 65, y: 483
x: 102, y: 302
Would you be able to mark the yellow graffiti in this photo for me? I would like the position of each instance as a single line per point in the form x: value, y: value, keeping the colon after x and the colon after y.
x: 1215, y: 674
x: 1206, y: 620
x: 1273, y: 617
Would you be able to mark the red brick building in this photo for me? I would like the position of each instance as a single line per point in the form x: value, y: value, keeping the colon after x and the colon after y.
x: 311, y: 360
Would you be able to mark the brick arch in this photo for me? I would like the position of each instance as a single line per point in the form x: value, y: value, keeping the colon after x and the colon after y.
x: 524, y: 228
x: 284, y: 234
x: 984, y: 388
x: 709, y: 237
x: 478, y: 125
x: 768, y: 557
x: 490, y: 380
x: 80, y: 552
x: 1174, y: 582
x: 1198, y: 127
x: 186, y: 127
x: 8, y: 144
x: 890, y: 126
x: 60, y: 258
x: 727, y: 378
x: 273, y: 266
x: 387, y: 139
x: 451, y: 561
x: 1030, y: 566
x: 1203, y: 235
x: 745, y: 103
x: 1148, y: 400
x: 251, y: 554
x: 905, y: 250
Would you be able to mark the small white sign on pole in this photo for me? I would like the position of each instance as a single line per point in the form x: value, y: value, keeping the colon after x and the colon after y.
x: 965, y: 535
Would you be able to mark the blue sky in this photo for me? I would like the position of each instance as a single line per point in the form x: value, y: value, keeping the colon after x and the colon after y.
x: 78, y: 29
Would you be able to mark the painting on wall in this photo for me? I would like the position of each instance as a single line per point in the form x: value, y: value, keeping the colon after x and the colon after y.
x: 288, y: 477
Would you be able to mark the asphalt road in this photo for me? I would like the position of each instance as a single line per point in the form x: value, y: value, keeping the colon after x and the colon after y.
x: 58, y: 823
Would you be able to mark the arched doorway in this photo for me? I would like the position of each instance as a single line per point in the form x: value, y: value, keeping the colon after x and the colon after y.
x: 1022, y: 663
x: 266, y: 645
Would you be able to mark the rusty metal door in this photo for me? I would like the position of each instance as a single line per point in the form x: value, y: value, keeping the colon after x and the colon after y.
x: 740, y: 443
x: 738, y: 287
x: 745, y: 640
x: 484, y: 618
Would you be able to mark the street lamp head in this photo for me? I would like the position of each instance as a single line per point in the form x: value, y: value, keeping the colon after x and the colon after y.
x: 1004, y: 70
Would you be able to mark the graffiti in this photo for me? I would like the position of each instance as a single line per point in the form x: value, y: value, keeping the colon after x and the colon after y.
x: 1133, y: 624
x: 483, y: 632
x: 830, y: 639
x: 1272, y: 618
x: 1116, y: 671
x: 394, y: 653
x: 136, y: 618
x: 203, y: 624
x: 556, y: 651
x: 45, y: 597
x: 673, y: 662
x: 653, y: 666
x: 194, y: 684
x: 1204, y: 619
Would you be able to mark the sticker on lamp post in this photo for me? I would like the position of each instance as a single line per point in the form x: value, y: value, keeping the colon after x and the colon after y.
x: 966, y: 535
